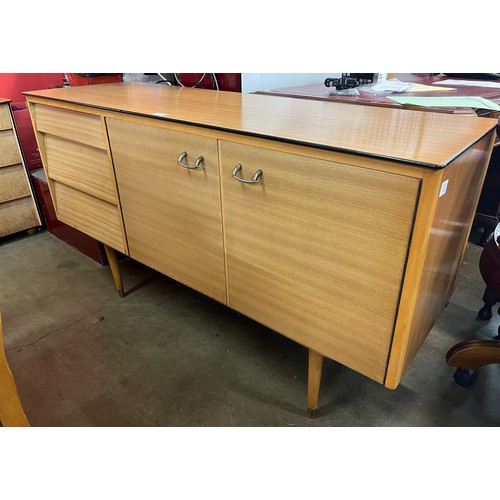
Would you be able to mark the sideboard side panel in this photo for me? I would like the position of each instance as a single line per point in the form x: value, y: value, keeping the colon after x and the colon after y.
x: 441, y: 247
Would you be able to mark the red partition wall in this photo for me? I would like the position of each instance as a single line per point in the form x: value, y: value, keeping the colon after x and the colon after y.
x: 13, y: 84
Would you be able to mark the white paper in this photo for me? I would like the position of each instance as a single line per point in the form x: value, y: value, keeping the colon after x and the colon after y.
x: 468, y: 83
x: 391, y: 86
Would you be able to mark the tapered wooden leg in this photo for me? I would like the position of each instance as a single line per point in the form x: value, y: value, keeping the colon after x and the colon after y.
x: 313, y: 381
x: 115, y: 269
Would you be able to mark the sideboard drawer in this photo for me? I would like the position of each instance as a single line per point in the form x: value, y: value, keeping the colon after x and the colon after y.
x: 9, y: 148
x: 89, y: 214
x: 5, y: 120
x: 80, y: 166
x: 73, y: 125
x: 13, y: 183
x: 75, y: 153
x: 17, y: 215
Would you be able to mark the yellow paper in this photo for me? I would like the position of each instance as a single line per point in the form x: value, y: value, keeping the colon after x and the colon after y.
x: 474, y: 102
x: 427, y: 88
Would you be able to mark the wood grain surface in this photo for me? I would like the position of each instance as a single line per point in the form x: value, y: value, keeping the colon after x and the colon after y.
x: 89, y: 214
x: 316, y: 252
x: 13, y: 183
x: 172, y: 214
x: 345, y: 244
x: 9, y: 149
x: 18, y: 210
x: 431, y: 139
x: 11, y: 410
x: 17, y: 215
x: 441, y: 233
x: 5, y: 119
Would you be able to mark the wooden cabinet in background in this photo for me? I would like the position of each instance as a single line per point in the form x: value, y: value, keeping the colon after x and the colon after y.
x: 18, y: 210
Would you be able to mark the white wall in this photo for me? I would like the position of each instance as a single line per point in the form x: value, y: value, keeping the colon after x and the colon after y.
x: 250, y: 82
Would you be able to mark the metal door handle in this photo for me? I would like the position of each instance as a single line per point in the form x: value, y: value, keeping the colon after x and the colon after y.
x: 197, y: 163
x: 253, y: 180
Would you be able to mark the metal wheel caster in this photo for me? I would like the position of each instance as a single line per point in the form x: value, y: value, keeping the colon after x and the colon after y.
x: 485, y: 312
x: 465, y: 377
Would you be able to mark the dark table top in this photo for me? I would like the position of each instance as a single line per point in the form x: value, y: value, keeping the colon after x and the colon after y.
x: 320, y: 92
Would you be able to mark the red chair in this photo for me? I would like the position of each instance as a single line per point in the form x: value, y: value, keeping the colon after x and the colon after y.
x: 77, y: 79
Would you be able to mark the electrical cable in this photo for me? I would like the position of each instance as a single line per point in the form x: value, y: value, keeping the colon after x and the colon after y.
x: 177, y: 80
x: 215, y: 81
x: 163, y: 80
x: 212, y: 77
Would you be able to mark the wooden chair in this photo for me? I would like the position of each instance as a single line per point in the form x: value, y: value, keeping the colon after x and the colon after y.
x: 470, y: 355
x: 11, y: 410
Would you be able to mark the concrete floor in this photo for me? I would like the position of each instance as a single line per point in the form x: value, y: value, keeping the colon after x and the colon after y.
x: 167, y: 356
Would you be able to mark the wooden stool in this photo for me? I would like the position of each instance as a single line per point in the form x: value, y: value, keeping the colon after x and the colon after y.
x: 471, y: 355
x: 11, y: 410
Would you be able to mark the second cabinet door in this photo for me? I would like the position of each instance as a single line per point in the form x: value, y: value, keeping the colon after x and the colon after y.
x: 316, y: 250
x: 172, y: 213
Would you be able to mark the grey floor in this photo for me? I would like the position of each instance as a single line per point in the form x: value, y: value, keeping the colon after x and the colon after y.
x: 165, y: 355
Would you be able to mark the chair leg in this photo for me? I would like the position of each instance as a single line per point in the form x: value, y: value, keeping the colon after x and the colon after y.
x: 489, y: 299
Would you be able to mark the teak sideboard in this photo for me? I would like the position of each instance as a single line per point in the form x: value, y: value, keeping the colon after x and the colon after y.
x: 341, y: 227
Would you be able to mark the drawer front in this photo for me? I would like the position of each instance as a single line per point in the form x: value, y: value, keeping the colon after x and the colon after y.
x: 73, y: 125
x: 80, y: 166
x: 9, y: 150
x: 172, y: 214
x: 316, y: 250
x: 74, y: 149
x: 13, y: 183
x: 89, y: 214
x: 5, y: 120
x: 18, y: 215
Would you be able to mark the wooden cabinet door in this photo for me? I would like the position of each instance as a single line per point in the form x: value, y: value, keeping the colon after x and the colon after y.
x: 172, y: 213
x: 316, y: 250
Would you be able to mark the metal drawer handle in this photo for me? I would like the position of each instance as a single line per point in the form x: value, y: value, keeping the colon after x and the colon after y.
x: 253, y: 180
x: 197, y: 163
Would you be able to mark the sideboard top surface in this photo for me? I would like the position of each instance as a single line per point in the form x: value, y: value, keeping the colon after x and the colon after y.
x: 419, y: 137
